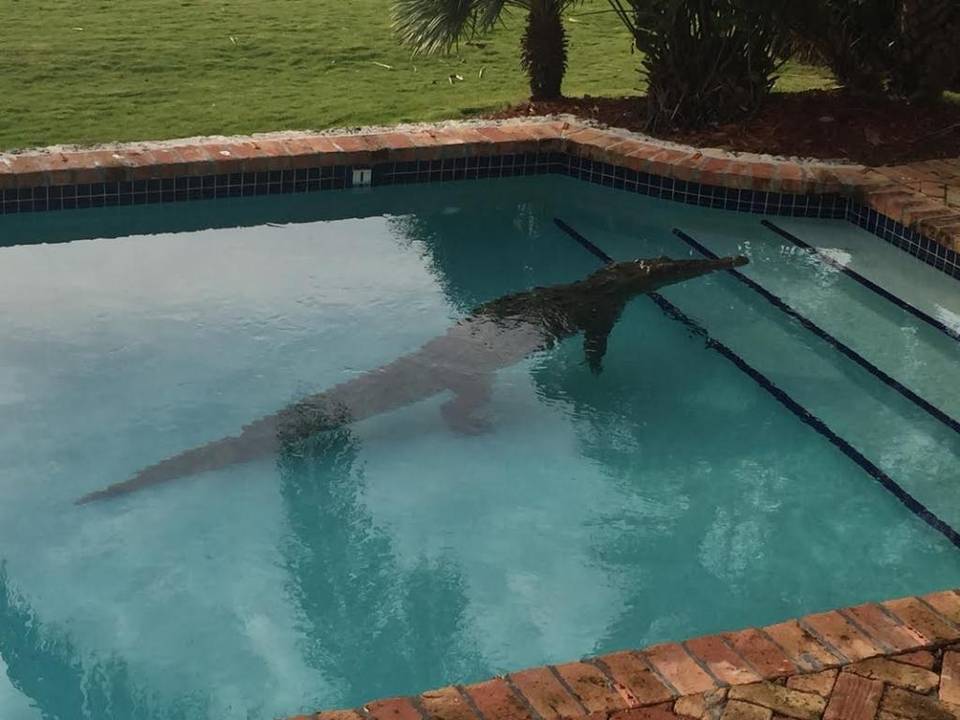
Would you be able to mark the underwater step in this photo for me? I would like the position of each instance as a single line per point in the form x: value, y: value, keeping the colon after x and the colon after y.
x: 916, y: 450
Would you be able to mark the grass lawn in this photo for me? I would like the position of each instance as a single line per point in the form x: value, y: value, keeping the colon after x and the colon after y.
x: 84, y: 71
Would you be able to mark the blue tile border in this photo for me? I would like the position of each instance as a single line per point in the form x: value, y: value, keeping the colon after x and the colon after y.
x: 340, y: 177
x: 907, y: 239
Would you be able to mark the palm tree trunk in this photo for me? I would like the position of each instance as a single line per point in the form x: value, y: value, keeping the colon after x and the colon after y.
x: 544, y: 49
x: 928, y: 48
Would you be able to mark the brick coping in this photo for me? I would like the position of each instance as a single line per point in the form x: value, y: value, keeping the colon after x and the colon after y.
x: 889, y: 660
x: 289, y: 151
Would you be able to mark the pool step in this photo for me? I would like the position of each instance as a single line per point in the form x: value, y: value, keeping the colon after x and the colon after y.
x: 898, y: 657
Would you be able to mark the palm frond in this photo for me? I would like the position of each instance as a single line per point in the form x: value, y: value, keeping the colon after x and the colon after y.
x: 436, y: 26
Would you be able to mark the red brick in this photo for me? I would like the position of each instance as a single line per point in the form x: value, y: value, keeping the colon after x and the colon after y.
x: 739, y: 175
x: 222, y: 160
x: 880, y: 626
x: 791, y: 178
x: 828, y: 181
x: 589, y: 136
x: 249, y: 155
x: 625, y: 147
x: 701, y: 705
x: 765, y: 175
x: 950, y: 678
x: 946, y: 603
x: 715, y: 171
x: 739, y: 710
x: 452, y: 143
x: 801, y: 646
x: 762, y: 653
x: 392, y: 709
x: 667, y: 161
x: 921, y: 658
x: 639, y: 157
x: 496, y: 701
x: 545, y: 694
x: 337, y: 715
x: 446, y: 704
x: 901, y: 703
x: 355, y: 143
x: 300, y: 154
x: 633, y: 673
x: 167, y: 163
x: 780, y: 699
x: 838, y: 632
x: 113, y: 165
x: 686, y: 168
x: 397, y: 140
x: 352, y: 151
x: 512, y: 139
x: 723, y: 662
x: 495, y: 134
x: 470, y: 136
x: 655, y: 712
x: 591, y: 687
x: 29, y: 170
x: 8, y: 179
x: 854, y: 698
x: 679, y: 669
x: 887, y: 671
x: 820, y: 683
x: 68, y: 165
x: 922, y: 619
x: 237, y: 151
x: 198, y: 159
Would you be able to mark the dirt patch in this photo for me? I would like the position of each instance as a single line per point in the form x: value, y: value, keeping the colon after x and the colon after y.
x: 825, y: 124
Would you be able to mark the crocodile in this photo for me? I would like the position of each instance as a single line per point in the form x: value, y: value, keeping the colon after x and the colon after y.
x: 462, y: 361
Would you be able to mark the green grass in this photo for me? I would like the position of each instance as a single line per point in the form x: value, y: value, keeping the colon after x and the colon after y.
x: 85, y: 71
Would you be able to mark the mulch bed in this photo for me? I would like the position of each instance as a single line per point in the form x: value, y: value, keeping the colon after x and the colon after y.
x: 826, y: 124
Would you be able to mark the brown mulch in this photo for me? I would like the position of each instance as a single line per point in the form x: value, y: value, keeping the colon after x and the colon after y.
x: 826, y: 124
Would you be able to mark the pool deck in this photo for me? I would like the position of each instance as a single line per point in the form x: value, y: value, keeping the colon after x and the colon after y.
x: 922, y: 196
x: 887, y: 661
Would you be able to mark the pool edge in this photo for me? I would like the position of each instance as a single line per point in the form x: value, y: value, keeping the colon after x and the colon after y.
x: 900, y: 657
x: 61, y: 178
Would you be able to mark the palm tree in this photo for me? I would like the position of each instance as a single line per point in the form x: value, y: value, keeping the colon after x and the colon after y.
x: 436, y: 26
x: 926, y: 64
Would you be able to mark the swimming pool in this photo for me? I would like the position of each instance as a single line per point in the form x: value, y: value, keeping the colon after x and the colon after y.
x: 679, y: 492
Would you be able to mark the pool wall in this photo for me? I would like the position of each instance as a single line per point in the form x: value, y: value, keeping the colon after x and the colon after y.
x: 55, y: 179
x: 897, y: 659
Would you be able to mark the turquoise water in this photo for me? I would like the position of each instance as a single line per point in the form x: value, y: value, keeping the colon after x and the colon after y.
x: 668, y: 497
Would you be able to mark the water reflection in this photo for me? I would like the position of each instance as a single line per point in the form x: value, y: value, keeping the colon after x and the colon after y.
x: 764, y: 518
x: 374, y: 626
x: 66, y: 684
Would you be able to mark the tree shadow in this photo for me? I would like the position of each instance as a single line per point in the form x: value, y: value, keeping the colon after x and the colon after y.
x: 374, y: 624
x: 46, y: 666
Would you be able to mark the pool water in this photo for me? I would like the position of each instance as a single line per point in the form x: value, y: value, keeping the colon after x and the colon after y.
x: 670, y: 496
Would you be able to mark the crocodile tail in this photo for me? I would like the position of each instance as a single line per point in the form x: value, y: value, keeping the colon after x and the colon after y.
x: 212, y: 456
x: 263, y: 437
